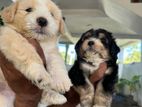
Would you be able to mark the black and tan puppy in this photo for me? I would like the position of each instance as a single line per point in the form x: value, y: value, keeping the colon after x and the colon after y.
x: 94, y: 48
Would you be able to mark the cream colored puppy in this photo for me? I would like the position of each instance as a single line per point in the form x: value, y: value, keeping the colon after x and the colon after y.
x: 42, y: 20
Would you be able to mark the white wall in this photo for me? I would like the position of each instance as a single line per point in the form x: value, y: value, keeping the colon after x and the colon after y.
x: 135, y: 7
x: 125, y: 13
x: 128, y: 71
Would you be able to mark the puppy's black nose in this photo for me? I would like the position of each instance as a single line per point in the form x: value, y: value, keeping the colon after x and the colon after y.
x: 90, y: 43
x: 42, y: 21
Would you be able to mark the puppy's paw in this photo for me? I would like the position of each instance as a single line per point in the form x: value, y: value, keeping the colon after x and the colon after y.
x: 41, y: 105
x: 39, y: 76
x: 51, y: 97
x: 42, y: 81
x: 58, y: 99
x: 61, y: 83
x: 98, y: 105
x: 78, y: 105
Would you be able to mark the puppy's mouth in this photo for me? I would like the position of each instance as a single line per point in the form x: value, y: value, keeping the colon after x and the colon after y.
x: 40, y: 30
x: 88, y: 53
x: 91, y: 50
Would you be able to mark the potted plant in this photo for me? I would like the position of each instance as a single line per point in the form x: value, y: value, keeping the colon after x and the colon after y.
x: 132, y: 85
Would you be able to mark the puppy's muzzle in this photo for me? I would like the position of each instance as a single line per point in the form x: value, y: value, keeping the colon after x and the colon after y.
x: 42, y: 22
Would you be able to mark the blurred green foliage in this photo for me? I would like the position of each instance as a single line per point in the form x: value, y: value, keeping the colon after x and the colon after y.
x: 133, y: 83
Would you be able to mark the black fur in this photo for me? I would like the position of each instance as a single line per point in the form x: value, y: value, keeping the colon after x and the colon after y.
x: 76, y: 75
x: 109, y: 80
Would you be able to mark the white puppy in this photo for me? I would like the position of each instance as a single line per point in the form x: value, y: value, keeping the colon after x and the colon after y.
x: 42, y: 20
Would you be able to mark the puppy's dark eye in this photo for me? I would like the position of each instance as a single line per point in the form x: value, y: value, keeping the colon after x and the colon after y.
x: 29, y: 9
x: 104, y: 40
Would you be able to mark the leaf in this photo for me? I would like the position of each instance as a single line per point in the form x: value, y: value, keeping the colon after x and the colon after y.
x: 136, y: 77
x: 133, y: 84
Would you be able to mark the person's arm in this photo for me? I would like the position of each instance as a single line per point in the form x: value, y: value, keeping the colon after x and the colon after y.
x: 98, y: 75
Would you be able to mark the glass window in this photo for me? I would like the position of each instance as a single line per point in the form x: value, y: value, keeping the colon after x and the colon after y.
x: 62, y: 50
x: 71, y: 55
x: 67, y: 52
x: 132, y: 53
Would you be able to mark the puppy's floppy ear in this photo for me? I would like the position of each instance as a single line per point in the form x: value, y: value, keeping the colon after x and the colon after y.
x: 62, y: 27
x: 9, y: 12
x: 113, y: 47
x: 77, y: 47
x: 114, y: 50
x: 57, y: 14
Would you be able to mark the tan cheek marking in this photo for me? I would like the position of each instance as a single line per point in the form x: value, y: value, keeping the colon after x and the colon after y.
x: 99, y: 46
x: 85, y: 45
x: 105, y: 54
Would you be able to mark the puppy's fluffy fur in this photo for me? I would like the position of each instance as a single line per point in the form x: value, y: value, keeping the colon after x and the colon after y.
x: 93, y: 48
x: 21, y: 19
